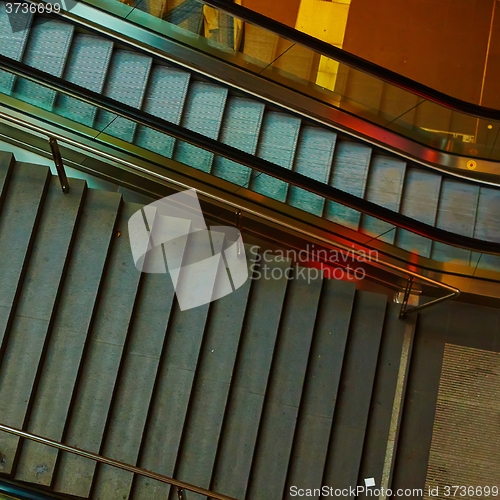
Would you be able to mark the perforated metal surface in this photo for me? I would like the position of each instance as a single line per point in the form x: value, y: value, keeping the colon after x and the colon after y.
x: 465, y: 449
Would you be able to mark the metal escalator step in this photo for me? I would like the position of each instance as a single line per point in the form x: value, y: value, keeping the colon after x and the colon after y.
x: 314, y: 159
x: 165, y: 98
x: 420, y: 202
x: 135, y: 388
x: 356, y: 385
x: 349, y: 173
x: 317, y: 408
x: 68, y: 335
x: 30, y: 322
x: 23, y: 205
x: 277, y: 144
x: 279, y: 417
x: 101, y: 363
x: 126, y: 83
x: 47, y: 50
x: 160, y: 447
x: 456, y: 213
x: 488, y: 215
x: 87, y: 66
x: 240, y: 129
x: 14, y: 32
x: 385, y: 187
x: 249, y: 382
x: 209, y: 397
x: 203, y: 113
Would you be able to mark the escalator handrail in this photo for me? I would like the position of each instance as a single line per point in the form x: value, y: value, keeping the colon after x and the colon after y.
x: 354, y: 61
x: 250, y: 161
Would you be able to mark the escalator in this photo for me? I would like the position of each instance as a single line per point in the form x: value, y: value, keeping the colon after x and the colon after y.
x: 64, y: 49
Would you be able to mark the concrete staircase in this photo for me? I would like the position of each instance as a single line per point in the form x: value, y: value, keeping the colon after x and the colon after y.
x: 282, y: 383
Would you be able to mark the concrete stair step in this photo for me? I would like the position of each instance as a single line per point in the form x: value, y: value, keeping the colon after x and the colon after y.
x: 68, y: 335
x: 284, y: 391
x: 101, y: 363
x: 35, y: 310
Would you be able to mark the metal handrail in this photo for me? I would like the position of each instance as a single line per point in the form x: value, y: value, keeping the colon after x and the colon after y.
x: 354, y: 61
x: 239, y: 209
x: 180, y: 485
x: 248, y: 160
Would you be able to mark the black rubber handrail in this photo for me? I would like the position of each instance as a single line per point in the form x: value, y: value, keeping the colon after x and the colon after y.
x: 354, y: 61
x: 253, y: 162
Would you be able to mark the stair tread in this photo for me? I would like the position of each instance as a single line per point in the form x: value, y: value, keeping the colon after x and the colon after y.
x: 87, y: 66
x: 135, y: 390
x: 279, y: 417
x: 315, y: 419
x: 22, y: 206
x: 353, y: 400
x: 211, y: 388
x: 384, y: 392
x: 32, y: 316
x: 68, y: 334
x: 249, y: 382
x: 102, y: 360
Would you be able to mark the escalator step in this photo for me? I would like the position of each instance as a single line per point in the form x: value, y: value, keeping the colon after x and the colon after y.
x: 240, y: 129
x: 420, y: 202
x: 87, y: 66
x: 126, y: 83
x: 385, y: 187
x: 165, y: 98
x: 13, y: 38
x: 314, y: 159
x: 47, y: 50
x: 203, y: 114
x: 277, y: 144
x: 456, y: 213
x: 349, y: 174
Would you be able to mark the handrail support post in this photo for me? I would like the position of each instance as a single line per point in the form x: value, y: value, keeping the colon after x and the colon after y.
x: 58, y: 162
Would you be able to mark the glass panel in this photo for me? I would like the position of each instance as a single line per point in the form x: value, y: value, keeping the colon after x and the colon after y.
x: 268, y: 54
x: 103, y: 122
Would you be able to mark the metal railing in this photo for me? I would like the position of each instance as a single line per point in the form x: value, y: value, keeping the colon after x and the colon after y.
x: 180, y: 486
x: 240, y: 210
x: 246, y: 159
